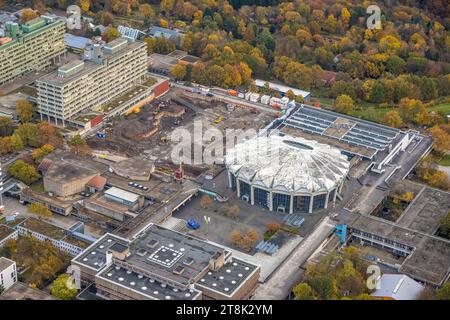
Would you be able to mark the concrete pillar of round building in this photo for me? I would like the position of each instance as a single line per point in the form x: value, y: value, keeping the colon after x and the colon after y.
x: 229, y: 180
x: 335, y: 194
x: 326, y: 200
x: 238, y: 188
x: 271, y: 201
x: 291, y: 204
x: 252, y: 195
x: 311, y: 201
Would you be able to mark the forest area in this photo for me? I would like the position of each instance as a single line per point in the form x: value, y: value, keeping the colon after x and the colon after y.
x: 398, y: 75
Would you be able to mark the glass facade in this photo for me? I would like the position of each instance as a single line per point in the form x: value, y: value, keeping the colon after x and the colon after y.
x: 301, y: 203
x: 244, y: 189
x: 319, y: 201
x: 262, y: 197
x: 331, y: 197
x: 281, y: 201
x: 233, y: 182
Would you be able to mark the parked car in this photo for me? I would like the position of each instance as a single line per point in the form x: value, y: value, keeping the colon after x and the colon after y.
x: 191, y: 223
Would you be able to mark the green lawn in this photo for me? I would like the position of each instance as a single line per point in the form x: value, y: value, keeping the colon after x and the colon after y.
x: 445, y: 161
x: 370, y: 111
x: 38, y: 186
x: 443, y: 107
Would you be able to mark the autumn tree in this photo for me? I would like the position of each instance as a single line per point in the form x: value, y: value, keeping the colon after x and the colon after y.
x: 233, y: 211
x: 443, y: 293
x: 24, y: 172
x: 30, y: 135
x: 393, y: 119
x: 39, y: 153
x: 167, y: 6
x: 85, y: 5
x: 111, y: 33
x: 6, y: 126
x: 205, y: 201
x: 147, y: 11
x: 273, y: 226
x: 78, y: 145
x: 17, y: 143
x: 303, y: 291
x: 244, y: 241
x: 441, y: 139
x: 179, y: 71
x: 48, y: 134
x: 39, y: 209
x: 5, y: 145
x: 27, y: 15
x: 24, y: 110
x: 61, y: 290
x: 324, y: 286
x: 344, y: 104
x: 236, y: 237
x: 330, y: 24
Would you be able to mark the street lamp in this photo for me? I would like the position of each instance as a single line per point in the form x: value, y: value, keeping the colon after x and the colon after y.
x: 207, y: 221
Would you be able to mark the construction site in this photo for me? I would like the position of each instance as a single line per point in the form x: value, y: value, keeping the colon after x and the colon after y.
x: 149, y: 130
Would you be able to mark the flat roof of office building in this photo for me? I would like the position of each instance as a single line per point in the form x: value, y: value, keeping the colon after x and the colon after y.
x: 75, y: 41
x: 170, y: 257
x: 89, y: 66
x: 47, y: 229
x: 416, y: 229
x: 5, y: 263
x: 5, y: 232
x: 122, y: 194
x: 146, y: 285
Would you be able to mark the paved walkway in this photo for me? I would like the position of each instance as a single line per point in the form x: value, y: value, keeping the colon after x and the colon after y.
x: 287, y: 275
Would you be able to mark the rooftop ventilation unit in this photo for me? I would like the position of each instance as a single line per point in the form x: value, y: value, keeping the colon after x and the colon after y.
x: 152, y: 243
x: 188, y: 261
x: 141, y: 252
x: 178, y: 270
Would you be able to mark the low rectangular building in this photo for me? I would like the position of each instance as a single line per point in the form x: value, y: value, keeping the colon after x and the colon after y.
x: 412, y: 236
x: 121, y: 196
x: 161, y: 264
x: 7, y: 233
x: 59, y: 237
x: 8, y: 273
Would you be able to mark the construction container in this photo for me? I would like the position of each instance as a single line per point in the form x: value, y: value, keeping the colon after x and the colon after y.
x: 254, y: 97
x: 265, y: 99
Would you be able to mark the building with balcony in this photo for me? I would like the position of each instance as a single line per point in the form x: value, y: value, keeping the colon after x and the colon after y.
x: 30, y: 46
x: 106, y: 71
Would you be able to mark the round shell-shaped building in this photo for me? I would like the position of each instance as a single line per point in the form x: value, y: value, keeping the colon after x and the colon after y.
x: 286, y: 174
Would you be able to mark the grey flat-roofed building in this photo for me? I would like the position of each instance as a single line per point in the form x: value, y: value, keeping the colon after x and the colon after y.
x: 75, y: 42
x: 398, y: 287
x: 106, y: 72
x: 159, y: 263
x: 412, y: 236
x: 121, y: 196
x: 31, y: 46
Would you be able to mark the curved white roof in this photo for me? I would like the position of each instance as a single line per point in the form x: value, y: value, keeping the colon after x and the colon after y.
x: 287, y: 164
